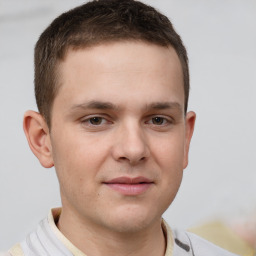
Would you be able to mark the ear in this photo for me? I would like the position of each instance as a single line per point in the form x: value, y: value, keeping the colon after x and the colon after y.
x: 189, y: 129
x: 38, y: 136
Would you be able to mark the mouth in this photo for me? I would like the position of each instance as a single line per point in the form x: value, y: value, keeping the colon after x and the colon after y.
x: 130, y: 186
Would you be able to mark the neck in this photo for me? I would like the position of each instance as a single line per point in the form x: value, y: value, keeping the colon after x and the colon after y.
x: 93, y: 239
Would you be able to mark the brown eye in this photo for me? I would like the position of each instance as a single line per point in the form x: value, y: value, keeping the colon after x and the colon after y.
x: 95, y: 120
x: 158, y: 120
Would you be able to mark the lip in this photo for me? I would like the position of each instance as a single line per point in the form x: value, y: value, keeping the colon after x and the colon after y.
x: 130, y: 185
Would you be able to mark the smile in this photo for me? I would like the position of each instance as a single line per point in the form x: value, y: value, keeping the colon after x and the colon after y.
x: 130, y: 186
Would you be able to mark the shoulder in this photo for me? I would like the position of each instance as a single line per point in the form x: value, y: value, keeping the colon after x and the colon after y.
x: 204, y: 247
x: 198, y: 245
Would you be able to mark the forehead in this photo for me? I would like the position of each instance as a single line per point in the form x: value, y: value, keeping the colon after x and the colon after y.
x: 121, y: 71
x: 121, y: 54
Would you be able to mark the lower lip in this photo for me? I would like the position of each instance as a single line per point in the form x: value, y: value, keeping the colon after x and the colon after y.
x: 130, y: 189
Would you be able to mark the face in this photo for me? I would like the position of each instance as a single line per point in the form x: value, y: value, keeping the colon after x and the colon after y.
x: 119, y: 136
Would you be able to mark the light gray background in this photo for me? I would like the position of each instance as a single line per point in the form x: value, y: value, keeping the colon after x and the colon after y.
x: 221, y: 179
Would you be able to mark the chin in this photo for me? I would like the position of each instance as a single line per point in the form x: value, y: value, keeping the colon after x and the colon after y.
x: 133, y: 219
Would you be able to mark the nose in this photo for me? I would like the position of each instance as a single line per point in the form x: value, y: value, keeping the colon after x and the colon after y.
x: 131, y: 145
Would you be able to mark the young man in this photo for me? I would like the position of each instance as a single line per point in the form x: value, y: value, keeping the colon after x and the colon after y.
x: 112, y: 85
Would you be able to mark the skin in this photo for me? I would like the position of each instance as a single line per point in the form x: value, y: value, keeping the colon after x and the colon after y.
x: 119, y: 113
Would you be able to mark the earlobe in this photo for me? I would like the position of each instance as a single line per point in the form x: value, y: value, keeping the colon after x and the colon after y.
x: 189, y: 129
x: 38, y: 136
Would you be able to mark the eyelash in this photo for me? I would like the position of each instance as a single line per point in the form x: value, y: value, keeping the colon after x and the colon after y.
x: 165, y: 121
x: 89, y: 119
x: 103, y: 120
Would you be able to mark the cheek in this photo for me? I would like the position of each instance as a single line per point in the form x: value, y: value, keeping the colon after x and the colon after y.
x: 169, y: 152
x: 77, y: 151
x: 75, y: 178
x: 169, y: 156
x: 78, y: 160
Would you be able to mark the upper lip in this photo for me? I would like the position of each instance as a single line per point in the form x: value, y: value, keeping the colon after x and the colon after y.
x: 129, y: 180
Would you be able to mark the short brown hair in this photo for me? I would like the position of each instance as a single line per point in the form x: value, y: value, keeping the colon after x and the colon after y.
x: 93, y: 23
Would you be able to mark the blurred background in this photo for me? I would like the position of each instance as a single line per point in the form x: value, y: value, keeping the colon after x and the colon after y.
x: 220, y: 181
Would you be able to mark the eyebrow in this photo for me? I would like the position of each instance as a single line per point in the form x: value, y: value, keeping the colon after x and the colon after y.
x: 110, y: 106
x: 164, y: 105
x: 95, y: 105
